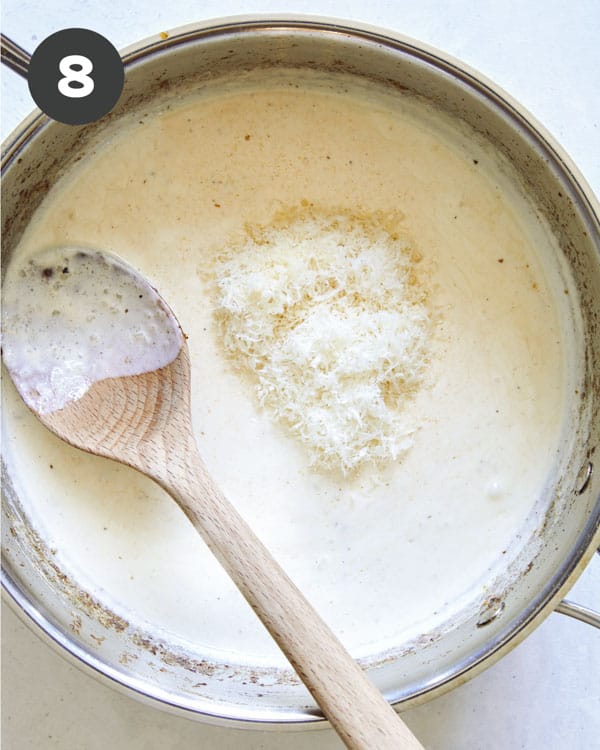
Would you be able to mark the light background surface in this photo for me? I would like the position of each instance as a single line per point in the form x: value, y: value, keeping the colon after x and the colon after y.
x: 545, y: 693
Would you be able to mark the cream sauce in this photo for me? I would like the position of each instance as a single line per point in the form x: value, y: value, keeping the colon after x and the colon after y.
x: 383, y: 557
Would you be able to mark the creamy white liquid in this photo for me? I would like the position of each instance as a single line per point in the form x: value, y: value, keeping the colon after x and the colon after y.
x: 71, y: 317
x: 385, y: 557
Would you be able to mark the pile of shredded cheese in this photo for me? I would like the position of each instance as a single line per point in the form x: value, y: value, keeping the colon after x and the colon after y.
x: 326, y: 314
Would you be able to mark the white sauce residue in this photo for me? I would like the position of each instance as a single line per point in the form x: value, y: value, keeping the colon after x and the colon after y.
x: 72, y: 317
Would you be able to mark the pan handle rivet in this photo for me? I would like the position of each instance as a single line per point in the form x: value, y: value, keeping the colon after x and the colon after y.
x: 490, y: 609
x: 584, y: 477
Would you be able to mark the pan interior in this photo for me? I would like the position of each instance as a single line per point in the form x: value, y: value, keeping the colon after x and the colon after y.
x: 400, y: 560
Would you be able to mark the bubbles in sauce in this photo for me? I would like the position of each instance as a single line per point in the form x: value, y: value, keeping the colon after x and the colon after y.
x: 72, y: 317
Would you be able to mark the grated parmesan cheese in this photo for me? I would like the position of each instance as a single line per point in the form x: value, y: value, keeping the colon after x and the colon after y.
x: 326, y: 315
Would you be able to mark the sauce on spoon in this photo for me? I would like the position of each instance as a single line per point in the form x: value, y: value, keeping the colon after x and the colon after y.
x: 72, y: 317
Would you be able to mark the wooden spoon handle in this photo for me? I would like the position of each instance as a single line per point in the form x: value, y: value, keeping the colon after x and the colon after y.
x: 357, y: 710
x: 144, y: 421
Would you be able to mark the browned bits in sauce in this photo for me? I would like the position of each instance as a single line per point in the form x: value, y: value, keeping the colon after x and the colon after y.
x: 47, y: 273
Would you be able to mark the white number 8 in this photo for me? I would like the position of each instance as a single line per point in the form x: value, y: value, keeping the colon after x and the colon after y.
x: 81, y: 76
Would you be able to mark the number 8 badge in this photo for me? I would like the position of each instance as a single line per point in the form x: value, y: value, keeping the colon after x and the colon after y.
x: 76, y: 76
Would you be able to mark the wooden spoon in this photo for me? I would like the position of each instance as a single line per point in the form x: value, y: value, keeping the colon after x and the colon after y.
x: 143, y: 420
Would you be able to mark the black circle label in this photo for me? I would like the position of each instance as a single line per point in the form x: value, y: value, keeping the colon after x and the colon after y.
x: 76, y: 76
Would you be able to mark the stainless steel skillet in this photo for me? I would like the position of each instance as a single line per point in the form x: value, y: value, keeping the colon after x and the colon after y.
x: 571, y: 533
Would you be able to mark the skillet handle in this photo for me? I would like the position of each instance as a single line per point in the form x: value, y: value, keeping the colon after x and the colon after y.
x: 585, y: 614
x: 14, y: 57
x: 589, y: 616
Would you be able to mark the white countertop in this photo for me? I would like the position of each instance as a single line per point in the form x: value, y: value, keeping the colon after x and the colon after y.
x: 545, y: 693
